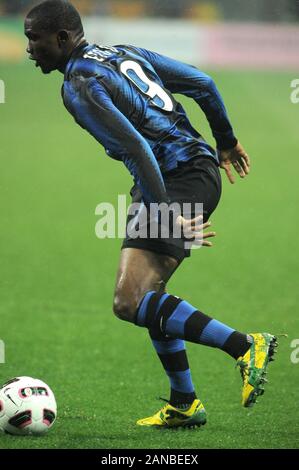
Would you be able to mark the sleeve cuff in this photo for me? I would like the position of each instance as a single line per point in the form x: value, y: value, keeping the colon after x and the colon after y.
x: 225, y: 141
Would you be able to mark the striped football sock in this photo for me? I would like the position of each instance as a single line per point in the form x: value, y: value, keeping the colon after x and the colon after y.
x: 177, y: 318
x: 173, y: 356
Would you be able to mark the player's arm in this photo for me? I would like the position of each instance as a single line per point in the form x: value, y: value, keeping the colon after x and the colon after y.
x: 95, y: 112
x: 187, y: 80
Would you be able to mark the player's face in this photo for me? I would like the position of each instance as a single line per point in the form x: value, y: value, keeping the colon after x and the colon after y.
x: 43, y: 47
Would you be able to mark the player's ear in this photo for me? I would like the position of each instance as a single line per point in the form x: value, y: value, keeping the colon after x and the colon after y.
x: 63, y: 37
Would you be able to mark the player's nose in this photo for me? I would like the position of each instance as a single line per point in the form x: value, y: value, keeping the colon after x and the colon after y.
x: 28, y: 49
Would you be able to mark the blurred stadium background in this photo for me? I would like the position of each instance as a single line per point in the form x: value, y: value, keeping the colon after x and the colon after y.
x: 262, y: 33
x: 255, y: 10
x: 57, y: 278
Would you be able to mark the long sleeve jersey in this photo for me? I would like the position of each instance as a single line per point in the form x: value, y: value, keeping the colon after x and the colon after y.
x: 123, y: 96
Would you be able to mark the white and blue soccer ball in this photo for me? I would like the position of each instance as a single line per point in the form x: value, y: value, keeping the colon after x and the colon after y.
x: 27, y: 406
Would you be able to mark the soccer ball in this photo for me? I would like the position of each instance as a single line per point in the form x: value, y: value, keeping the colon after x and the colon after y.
x: 27, y: 406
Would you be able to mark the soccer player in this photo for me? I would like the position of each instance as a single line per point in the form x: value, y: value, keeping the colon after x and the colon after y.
x: 123, y: 96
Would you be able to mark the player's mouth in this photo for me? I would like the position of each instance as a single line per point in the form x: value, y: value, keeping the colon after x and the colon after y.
x: 37, y: 64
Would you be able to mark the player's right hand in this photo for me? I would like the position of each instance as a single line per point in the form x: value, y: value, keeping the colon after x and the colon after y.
x: 193, y: 230
x: 238, y: 158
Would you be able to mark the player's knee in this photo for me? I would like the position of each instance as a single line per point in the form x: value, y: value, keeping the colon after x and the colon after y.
x: 124, y: 309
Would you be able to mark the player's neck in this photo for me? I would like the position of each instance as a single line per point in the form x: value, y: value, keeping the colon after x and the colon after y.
x: 73, y: 48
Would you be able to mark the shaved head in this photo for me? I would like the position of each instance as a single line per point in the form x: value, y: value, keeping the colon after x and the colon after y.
x: 55, y: 15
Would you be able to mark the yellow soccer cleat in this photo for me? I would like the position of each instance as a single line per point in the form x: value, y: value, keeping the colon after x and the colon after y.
x: 171, y: 417
x: 253, y: 366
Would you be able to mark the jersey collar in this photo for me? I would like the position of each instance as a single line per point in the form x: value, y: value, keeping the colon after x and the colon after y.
x: 76, y: 52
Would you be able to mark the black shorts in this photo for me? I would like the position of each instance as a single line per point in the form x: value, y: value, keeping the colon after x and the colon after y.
x: 195, y: 181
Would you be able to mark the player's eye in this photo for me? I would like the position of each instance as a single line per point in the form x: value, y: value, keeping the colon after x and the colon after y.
x: 32, y: 37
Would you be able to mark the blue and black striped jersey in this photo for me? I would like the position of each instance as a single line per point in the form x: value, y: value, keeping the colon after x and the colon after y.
x: 123, y: 96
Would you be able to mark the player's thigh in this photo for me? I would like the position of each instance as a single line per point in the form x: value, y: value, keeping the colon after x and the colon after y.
x: 139, y: 271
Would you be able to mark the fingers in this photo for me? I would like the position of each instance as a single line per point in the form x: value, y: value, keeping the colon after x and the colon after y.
x: 245, y: 164
x: 246, y: 158
x: 204, y: 235
x: 202, y: 243
x: 241, y: 165
x: 243, y: 160
x: 201, y: 239
x: 228, y: 171
x: 238, y: 167
x: 238, y: 158
x: 199, y: 228
x: 195, y: 220
x: 189, y: 224
x: 192, y: 226
x: 193, y: 230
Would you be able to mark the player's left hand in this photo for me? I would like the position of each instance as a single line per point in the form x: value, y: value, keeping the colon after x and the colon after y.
x: 238, y: 158
x: 193, y: 229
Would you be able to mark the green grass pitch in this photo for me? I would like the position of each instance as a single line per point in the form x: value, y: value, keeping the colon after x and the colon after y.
x: 57, y: 278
